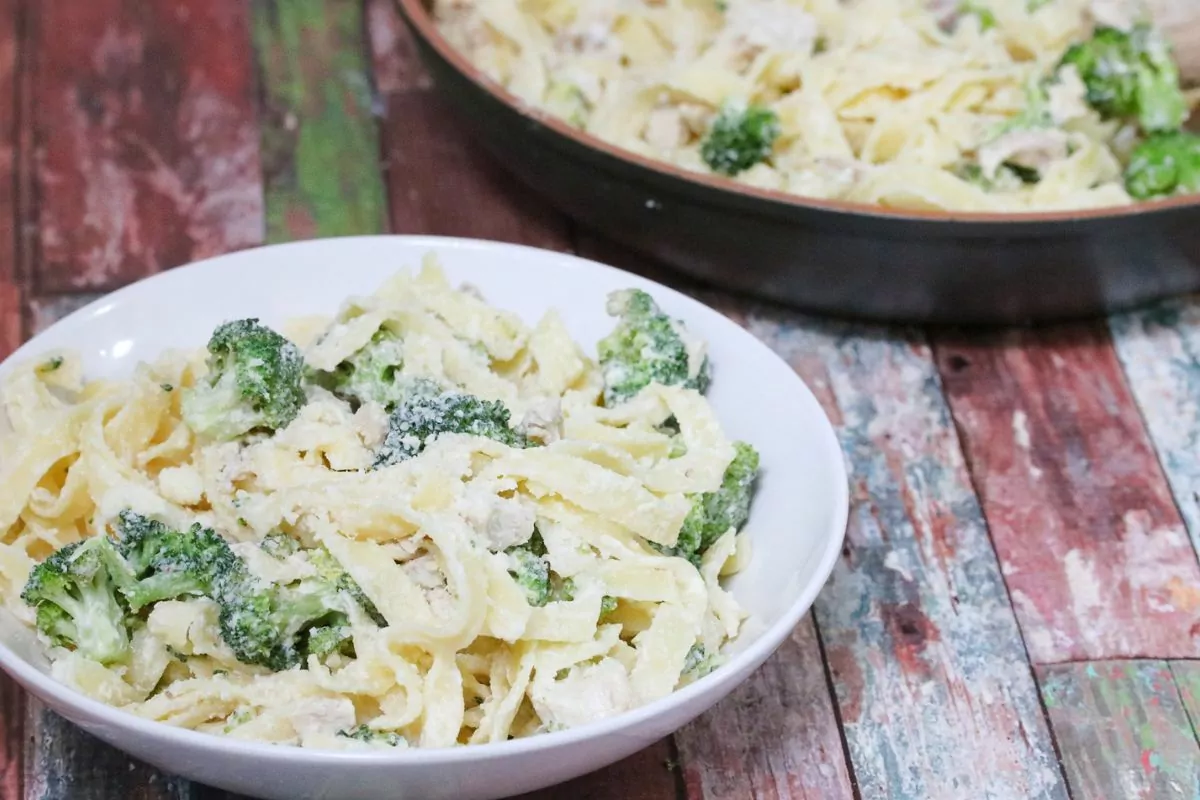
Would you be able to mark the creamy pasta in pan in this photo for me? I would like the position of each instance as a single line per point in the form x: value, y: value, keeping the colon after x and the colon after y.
x: 418, y: 523
x: 961, y: 105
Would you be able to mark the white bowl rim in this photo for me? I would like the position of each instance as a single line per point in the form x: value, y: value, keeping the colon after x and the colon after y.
x: 767, y: 642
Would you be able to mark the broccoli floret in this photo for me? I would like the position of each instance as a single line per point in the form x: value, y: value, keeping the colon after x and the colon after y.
x: 422, y: 417
x: 329, y: 639
x: 272, y: 625
x: 531, y: 570
x: 987, y: 19
x: 279, y: 545
x: 164, y: 564
x: 254, y: 383
x: 1035, y: 115
x: 1164, y: 164
x: 77, y: 602
x: 369, y: 735
x: 372, y: 374
x: 279, y: 626
x: 51, y: 364
x: 608, y: 604
x: 646, y: 347
x: 566, y: 100
x: 714, y: 513
x: 698, y: 662
x: 1131, y: 76
x: 532, y: 573
x: 331, y: 571
x: 740, y: 137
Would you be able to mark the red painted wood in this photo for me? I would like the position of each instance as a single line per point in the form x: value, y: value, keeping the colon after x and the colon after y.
x: 648, y: 775
x: 439, y: 180
x: 147, y: 137
x: 1124, y: 730
x: 11, y: 698
x: 1095, y: 554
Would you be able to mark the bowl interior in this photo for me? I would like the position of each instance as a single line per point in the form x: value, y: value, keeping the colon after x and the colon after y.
x: 800, y: 510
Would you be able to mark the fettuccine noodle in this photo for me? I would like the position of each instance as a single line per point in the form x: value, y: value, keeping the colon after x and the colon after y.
x: 896, y: 103
x: 463, y: 658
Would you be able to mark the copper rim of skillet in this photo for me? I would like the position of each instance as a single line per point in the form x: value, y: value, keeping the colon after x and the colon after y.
x: 421, y: 18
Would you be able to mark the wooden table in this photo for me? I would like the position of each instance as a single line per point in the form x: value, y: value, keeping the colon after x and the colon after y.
x: 1017, y: 611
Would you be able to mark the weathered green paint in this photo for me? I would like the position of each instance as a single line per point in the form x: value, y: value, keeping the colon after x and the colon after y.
x: 321, y: 163
x: 1187, y: 678
x: 1122, y: 729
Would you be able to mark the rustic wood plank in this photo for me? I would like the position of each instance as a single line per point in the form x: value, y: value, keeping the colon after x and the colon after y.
x: 397, y: 65
x: 431, y: 164
x: 935, y: 694
x: 147, y: 138
x: 64, y: 763
x: 11, y: 276
x: 45, y: 311
x: 1187, y: 678
x: 1160, y: 351
x: 319, y: 138
x: 12, y: 699
x: 1123, y: 730
x: 776, y: 736
x: 647, y: 775
x: 1093, y: 548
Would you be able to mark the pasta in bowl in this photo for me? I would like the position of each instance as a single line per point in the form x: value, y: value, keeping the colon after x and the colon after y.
x: 420, y: 524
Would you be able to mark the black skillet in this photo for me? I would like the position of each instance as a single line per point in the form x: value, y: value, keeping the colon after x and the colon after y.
x: 829, y: 257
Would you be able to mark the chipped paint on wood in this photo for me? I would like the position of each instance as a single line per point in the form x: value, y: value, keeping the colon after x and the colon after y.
x: 64, y: 763
x: 12, y: 699
x: 45, y: 311
x: 147, y: 138
x: 776, y: 736
x: 1094, y: 551
x: 398, y: 66
x: 1187, y: 679
x: 431, y: 164
x: 1123, y: 730
x: 319, y: 140
x: 647, y: 775
x: 935, y: 692
x: 1160, y: 351
x: 12, y: 717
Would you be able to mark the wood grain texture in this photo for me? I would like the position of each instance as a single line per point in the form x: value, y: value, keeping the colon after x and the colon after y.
x: 776, y: 736
x: 1187, y: 679
x: 1160, y: 351
x: 12, y: 699
x: 439, y: 179
x: 934, y: 691
x: 1123, y: 730
x: 647, y: 775
x: 147, y: 139
x: 319, y: 138
x: 1093, y: 548
x: 64, y: 763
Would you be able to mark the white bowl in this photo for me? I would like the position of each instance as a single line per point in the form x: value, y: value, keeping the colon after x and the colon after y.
x: 797, y: 524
